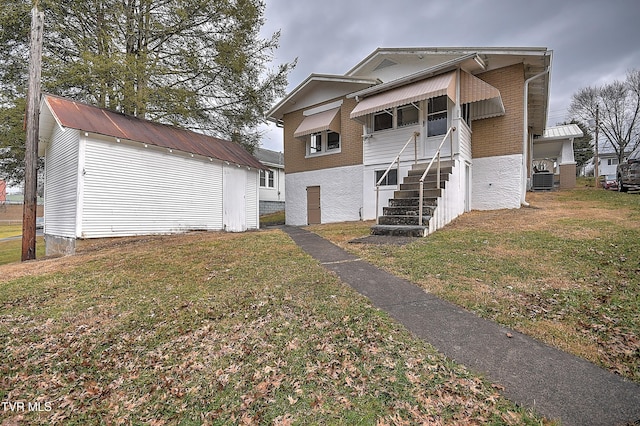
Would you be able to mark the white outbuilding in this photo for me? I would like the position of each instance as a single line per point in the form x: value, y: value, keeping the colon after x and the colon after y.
x: 112, y: 175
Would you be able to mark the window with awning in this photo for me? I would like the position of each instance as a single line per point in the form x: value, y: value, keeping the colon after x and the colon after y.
x: 319, y: 122
x: 444, y: 84
x: 485, y: 100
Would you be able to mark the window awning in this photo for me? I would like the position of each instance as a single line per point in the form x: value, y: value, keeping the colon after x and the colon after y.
x: 444, y: 84
x: 485, y: 99
x: 326, y: 120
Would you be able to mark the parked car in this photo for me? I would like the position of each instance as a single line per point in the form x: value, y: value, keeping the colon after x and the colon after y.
x: 629, y: 173
x: 608, y: 181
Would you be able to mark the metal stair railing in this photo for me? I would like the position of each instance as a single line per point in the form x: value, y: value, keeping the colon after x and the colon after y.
x: 426, y: 171
x: 414, y: 137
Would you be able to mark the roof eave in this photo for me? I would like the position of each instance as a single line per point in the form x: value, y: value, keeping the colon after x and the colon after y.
x: 443, y: 50
x: 274, y: 114
x: 420, y: 75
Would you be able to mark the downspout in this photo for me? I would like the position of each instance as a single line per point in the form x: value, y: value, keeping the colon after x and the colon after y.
x: 525, y: 135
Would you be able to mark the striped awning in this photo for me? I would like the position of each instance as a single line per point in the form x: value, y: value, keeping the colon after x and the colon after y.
x: 485, y: 99
x: 444, y: 84
x: 472, y: 89
x: 319, y: 122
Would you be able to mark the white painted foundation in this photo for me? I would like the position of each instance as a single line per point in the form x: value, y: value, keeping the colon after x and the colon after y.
x: 497, y: 182
x: 340, y: 194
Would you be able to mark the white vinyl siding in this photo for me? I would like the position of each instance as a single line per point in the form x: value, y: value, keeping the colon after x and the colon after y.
x: 463, y: 136
x: 383, y: 147
x: 132, y: 190
x: 61, y: 183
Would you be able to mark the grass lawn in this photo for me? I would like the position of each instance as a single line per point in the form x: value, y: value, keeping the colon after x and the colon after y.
x: 10, y: 230
x: 272, y: 219
x: 565, y: 270
x: 214, y: 328
x: 11, y: 251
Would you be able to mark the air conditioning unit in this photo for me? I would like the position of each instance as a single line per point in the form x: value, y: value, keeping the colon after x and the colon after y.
x: 542, y: 181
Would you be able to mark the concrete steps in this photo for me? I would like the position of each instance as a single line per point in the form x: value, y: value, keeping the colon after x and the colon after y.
x: 400, y: 217
x: 403, y: 220
x: 400, y: 230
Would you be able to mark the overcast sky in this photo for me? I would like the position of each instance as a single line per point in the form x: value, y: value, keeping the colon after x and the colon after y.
x: 593, y: 41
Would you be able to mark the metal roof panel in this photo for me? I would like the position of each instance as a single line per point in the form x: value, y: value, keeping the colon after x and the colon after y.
x: 88, y: 118
x: 566, y: 131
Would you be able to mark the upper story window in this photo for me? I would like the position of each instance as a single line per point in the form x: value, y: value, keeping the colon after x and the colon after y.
x: 333, y: 141
x: 401, y: 116
x: 267, y: 178
x: 395, y: 118
x: 466, y: 113
x: 408, y: 115
x: 383, y: 120
x: 316, y: 143
x: 437, y: 116
x: 326, y: 142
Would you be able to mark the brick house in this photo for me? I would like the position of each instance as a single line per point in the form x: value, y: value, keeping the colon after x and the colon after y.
x: 477, y: 110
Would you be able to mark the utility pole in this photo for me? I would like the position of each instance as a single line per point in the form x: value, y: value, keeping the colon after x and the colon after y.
x: 596, y: 160
x: 31, y: 143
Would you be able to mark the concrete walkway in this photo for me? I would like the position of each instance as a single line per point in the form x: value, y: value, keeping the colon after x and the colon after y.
x: 39, y: 233
x: 553, y: 383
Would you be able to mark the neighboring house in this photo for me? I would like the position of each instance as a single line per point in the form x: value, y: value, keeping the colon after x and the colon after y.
x: 342, y: 132
x: 271, y: 181
x: 607, y: 163
x: 553, y: 154
x: 112, y: 175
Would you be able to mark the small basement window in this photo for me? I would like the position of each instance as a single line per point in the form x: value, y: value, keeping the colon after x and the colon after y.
x: 390, y: 179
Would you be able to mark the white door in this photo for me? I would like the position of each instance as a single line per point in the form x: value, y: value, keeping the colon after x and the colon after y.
x: 233, y: 199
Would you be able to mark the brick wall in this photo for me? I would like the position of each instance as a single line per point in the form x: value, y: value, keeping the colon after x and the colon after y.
x: 350, y: 143
x: 567, y: 176
x: 502, y: 135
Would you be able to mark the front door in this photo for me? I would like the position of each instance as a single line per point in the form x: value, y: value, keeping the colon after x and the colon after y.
x: 313, y: 205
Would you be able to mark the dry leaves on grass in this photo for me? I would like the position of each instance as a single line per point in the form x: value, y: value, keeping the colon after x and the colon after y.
x: 565, y: 270
x: 274, y: 339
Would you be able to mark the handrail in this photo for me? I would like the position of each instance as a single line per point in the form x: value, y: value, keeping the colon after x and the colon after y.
x: 414, y: 137
x: 424, y: 175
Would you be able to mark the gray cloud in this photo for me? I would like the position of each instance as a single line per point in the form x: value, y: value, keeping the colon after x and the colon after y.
x: 594, y: 41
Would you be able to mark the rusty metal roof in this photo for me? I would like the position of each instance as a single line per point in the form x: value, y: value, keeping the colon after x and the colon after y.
x: 88, y: 118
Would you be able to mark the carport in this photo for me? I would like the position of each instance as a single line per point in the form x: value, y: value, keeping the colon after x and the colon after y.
x: 553, y: 164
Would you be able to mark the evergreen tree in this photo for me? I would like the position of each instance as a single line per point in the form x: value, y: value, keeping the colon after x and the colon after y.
x: 198, y: 64
x: 582, y: 147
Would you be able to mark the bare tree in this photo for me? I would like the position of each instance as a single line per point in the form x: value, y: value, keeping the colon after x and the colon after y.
x: 618, y: 105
